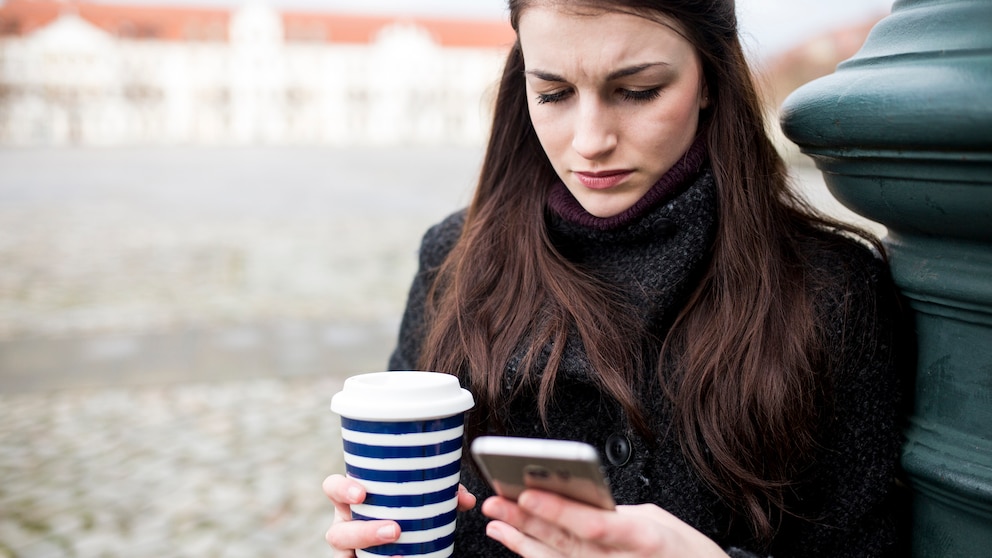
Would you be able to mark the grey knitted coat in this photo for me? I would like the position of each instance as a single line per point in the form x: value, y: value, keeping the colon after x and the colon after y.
x: 847, y: 500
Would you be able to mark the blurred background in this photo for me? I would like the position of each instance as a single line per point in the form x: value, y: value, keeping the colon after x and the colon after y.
x: 209, y: 216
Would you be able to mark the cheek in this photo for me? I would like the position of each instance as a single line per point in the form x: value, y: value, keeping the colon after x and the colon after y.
x: 551, y: 129
x: 691, y: 103
x: 674, y: 121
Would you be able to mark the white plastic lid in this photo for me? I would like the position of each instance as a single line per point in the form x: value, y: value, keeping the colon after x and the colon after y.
x: 398, y: 396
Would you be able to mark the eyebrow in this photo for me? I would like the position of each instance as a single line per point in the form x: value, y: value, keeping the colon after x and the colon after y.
x: 621, y: 73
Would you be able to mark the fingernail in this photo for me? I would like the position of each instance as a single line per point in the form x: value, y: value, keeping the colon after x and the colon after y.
x: 386, y: 532
x: 493, y: 509
x: 529, y: 502
x: 493, y: 532
x: 354, y: 493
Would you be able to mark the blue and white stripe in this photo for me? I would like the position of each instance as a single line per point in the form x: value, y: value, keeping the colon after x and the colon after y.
x: 410, y: 471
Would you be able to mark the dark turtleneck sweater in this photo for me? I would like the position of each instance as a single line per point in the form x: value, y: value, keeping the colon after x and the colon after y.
x: 656, y: 252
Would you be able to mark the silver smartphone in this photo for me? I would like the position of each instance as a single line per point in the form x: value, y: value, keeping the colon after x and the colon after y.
x: 572, y: 469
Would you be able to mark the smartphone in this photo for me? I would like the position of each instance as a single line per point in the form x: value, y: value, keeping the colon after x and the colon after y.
x: 571, y: 469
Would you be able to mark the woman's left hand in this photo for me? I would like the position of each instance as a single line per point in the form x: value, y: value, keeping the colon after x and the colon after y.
x: 545, y: 525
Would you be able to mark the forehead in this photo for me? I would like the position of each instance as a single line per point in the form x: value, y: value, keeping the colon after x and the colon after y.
x: 562, y: 39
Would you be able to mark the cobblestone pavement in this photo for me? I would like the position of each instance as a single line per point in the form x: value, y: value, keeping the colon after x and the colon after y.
x: 173, y: 325
x: 196, y: 470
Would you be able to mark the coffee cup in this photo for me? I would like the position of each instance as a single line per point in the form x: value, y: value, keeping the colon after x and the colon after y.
x: 402, y: 435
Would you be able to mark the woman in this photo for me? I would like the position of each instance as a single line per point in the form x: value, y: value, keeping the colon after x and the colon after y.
x: 633, y: 272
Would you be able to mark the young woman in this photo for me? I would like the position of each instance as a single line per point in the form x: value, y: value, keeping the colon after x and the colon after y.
x: 633, y: 272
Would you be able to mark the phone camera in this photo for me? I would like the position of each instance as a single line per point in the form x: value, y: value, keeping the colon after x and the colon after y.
x: 537, y: 472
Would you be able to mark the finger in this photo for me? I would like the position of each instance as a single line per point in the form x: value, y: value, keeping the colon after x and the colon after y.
x: 466, y: 500
x: 564, y: 523
x: 520, y: 531
x: 633, y: 528
x: 343, y: 492
x: 518, y: 542
x: 502, y: 509
x: 349, y: 535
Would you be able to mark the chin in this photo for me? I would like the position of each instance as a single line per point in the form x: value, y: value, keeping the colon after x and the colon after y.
x: 606, y: 210
x: 604, y: 214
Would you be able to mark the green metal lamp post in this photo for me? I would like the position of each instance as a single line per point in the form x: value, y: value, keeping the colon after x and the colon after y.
x: 903, y: 134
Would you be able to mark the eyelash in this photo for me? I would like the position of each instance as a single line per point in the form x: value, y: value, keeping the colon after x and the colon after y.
x: 556, y: 97
x: 625, y: 94
x: 640, y: 96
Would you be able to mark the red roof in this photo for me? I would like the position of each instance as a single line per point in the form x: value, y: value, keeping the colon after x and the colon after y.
x: 21, y: 17
x: 350, y: 28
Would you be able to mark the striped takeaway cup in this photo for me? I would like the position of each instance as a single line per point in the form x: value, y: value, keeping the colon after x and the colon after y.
x: 402, y: 434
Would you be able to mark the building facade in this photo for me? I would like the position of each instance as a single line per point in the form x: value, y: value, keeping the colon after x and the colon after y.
x: 89, y: 74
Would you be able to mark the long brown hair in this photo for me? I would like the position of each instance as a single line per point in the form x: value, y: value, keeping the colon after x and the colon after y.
x: 745, y: 347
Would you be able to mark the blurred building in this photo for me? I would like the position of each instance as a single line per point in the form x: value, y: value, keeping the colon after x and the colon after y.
x: 98, y: 74
x: 818, y: 56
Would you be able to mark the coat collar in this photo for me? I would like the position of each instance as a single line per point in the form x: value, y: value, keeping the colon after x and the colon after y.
x: 655, y: 261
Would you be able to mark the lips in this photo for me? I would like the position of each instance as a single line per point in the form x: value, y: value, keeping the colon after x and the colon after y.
x: 602, y: 180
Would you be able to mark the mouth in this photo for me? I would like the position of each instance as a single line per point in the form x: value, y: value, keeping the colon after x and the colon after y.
x: 602, y: 180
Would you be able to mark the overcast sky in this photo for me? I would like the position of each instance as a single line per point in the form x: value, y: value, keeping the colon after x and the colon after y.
x: 768, y: 26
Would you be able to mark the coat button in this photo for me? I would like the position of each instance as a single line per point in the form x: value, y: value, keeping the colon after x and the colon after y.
x: 618, y: 449
x: 664, y: 227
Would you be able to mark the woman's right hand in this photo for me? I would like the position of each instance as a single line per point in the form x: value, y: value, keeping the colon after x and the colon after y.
x: 346, y: 535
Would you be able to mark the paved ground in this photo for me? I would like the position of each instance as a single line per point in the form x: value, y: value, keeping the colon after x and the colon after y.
x: 230, y: 469
x: 173, y: 324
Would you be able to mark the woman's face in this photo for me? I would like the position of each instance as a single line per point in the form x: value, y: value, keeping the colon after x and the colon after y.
x: 614, y: 99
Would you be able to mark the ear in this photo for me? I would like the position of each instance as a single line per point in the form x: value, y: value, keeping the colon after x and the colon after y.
x: 704, y: 96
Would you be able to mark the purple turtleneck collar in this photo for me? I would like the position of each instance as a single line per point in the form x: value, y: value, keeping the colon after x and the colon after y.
x: 682, y: 173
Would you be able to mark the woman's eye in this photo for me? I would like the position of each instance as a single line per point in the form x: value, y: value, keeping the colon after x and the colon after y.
x: 557, y: 96
x: 645, y: 95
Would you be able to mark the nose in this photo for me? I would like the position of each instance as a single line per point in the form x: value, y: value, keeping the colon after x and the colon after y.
x: 594, y: 134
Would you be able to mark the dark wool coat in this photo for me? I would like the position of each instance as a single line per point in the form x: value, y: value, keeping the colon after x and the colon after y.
x: 846, y: 498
